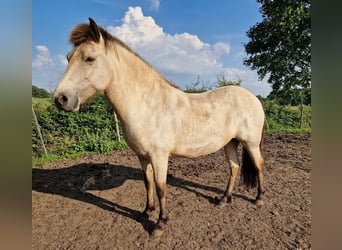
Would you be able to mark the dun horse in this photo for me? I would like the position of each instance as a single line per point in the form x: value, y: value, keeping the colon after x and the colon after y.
x: 157, y: 118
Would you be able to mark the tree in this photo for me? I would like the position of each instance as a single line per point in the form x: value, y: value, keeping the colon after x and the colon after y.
x: 280, y: 45
x: 39, y: 93
x: 294, y: 97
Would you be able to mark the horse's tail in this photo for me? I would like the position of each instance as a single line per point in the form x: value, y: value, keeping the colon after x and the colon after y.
x: 249, y: 172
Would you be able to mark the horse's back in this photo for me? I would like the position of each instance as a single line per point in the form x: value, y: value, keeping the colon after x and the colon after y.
x: 232, y: 101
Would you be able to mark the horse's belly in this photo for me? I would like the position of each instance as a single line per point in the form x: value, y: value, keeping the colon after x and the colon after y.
x: 196, y: 149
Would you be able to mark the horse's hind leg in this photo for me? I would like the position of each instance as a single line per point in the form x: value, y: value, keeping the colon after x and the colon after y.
x: 259, y: 164
x: 149, y: 184
x: 231, y: 152
x: 255, y: 156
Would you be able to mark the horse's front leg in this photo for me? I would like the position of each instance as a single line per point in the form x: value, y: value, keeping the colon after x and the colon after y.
x: 160, y: 164
x: 149, y: 184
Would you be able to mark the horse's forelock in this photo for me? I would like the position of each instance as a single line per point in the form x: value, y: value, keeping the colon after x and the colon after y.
x: 82, y: 33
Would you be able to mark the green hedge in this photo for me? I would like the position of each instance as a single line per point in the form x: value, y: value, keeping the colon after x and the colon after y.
x: 280, y: 117
x: 65, y: 133
x: 92, y: 129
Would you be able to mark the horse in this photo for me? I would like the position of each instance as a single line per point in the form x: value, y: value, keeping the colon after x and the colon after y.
x: 158, y: 119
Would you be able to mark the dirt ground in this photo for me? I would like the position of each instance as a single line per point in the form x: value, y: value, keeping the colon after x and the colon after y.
x: 94, y: 202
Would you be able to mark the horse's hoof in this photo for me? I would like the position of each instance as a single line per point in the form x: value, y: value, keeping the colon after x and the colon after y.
x: 222, y: 204
x: 259, y: 202
x: 159, y: 228
x: 157, y: 232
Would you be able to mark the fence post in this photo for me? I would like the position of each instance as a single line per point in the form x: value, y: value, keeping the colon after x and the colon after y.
x: 117, y: 126
x: 40, y: 134
x: 268, y: 128
x: 301, y: 108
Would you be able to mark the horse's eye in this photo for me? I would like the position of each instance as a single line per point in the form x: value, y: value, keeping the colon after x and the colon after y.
x: 89, y: 59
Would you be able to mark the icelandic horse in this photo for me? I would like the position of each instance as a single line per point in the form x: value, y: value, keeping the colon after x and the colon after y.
x: 158, y: 119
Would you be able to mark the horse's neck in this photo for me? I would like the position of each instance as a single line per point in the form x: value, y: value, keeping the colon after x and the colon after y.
x: 135, y: 82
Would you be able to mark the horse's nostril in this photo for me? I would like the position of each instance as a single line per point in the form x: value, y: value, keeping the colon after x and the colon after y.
x: 61, y: 100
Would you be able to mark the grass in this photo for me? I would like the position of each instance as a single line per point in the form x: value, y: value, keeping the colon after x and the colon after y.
x: 41, y: 104
x: 38, y: 161
x: 290, y: 130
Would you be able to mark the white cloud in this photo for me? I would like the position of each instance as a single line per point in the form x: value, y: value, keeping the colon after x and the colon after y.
x: 47, y: 69
x: 221, y: 48
x: 234, y: 73
x: 137, y: 28
x: 43, y: 57
x: 171, y: 54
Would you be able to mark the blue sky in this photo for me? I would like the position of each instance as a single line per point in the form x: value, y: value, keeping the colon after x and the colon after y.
x: 181, y: 39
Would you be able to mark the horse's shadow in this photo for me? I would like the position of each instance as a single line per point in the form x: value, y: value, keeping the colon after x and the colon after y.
x: 74, y: 182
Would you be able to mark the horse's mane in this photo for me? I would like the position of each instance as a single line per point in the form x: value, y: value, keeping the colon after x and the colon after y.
x: 82, y: 33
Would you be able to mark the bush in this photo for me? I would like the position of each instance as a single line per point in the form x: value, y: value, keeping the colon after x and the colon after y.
x: 65, y: 133
x: 287, y: 117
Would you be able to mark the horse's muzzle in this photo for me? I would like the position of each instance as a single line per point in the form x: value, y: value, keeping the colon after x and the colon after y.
x: 65, y: 103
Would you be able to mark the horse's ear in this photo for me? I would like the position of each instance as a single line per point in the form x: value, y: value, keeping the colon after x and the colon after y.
x: 94, y: 30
